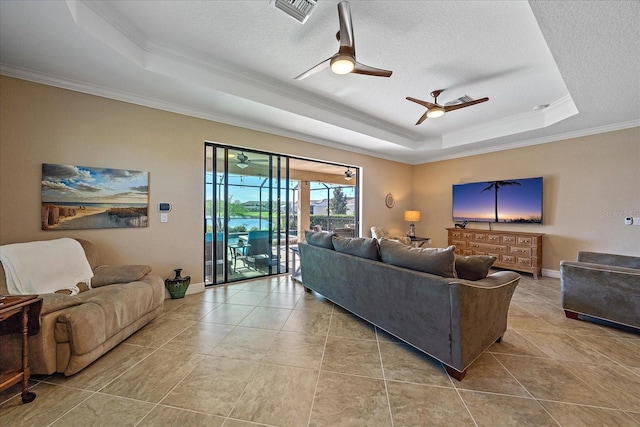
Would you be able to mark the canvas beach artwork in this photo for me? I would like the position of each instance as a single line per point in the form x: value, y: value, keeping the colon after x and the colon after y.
x: 81, y: 197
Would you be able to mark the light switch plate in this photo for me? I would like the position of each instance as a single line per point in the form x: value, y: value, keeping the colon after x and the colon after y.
x: 164, y: 217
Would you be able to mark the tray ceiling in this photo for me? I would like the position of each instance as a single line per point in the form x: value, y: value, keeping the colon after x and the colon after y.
x: 235, y: 62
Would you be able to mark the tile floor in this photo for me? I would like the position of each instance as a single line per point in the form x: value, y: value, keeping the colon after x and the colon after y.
x: 265, y: 353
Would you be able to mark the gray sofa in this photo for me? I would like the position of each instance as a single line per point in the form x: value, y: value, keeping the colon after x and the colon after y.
x: 453, y: 320
x: 75, y: 330
x: 604, y: 286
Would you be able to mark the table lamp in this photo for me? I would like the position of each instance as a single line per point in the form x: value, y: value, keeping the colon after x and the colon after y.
x: 412, y: 217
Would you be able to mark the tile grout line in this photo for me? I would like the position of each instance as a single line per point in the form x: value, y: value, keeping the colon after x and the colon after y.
x: 324, y: 349
x: 460, y: 397
x: 72, y: 408
x: 524, y: 388
x: 384, y: 376
x: 228, y: 416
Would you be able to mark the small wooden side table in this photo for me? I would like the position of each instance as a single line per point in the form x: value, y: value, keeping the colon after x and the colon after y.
x: 420, y: 242
x: 27, y: 324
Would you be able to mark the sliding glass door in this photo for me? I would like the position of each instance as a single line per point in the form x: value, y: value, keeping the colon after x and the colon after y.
x: 257, y: 205
x: 244, y: 218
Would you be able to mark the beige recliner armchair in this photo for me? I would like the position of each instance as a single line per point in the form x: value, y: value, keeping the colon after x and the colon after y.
x: 380, y: 233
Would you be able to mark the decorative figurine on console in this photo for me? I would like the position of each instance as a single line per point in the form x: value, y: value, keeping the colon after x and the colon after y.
x: 462, y: 225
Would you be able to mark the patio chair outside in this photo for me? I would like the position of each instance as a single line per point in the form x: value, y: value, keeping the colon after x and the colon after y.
x: 259, y: 254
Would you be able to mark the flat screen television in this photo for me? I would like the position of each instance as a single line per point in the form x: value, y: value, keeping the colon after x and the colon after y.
x: 514, y: 201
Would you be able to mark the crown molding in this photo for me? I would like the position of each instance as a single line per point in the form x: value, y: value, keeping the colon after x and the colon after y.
x: 559, y: 110
x: 416, y: 158
x: 535, y: 141
x: 116, y: 31
x: 109, y: 93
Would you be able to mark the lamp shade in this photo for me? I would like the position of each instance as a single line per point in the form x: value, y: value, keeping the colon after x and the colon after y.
x: 412, y: 216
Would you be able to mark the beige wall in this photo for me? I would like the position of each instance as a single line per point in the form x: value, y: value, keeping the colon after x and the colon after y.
x: 590, y: 184
x: 43, y: 124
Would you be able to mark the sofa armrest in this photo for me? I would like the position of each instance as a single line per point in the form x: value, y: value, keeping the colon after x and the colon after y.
x: 479, y: 314
x: 604, y: 291
x: 57, y: 302
x: 42, y: 346
x: 609, y: 259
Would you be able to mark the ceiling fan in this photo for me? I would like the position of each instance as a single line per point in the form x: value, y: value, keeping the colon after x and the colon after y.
x: 434, y: 110
x: 344, y: 62
x: 243, y: 161
x: 348, y: 174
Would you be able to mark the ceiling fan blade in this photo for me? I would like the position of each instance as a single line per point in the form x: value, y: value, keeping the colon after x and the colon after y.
x: 464, y: 104
x: 316, y: 69
x: 346, y: 26
x: 422, y: 118
x: 421, y: 102
x: 371, y: 71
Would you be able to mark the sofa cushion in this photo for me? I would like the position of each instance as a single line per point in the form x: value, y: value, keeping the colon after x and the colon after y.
x: 438, y: 261
x: 319, y: 238
x: 473, y: 267
x: 103, y: 313
x: 110, y: 274
x: 364, y: 247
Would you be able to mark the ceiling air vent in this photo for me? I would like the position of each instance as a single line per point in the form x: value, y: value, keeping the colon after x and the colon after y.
x: 460, y: 100
x: 297, y: 9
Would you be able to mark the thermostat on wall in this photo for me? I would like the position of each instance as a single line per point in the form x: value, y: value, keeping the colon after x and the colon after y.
x: 164, y: 207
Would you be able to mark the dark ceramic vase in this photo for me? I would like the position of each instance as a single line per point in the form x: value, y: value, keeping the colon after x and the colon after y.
x: 177, y: 286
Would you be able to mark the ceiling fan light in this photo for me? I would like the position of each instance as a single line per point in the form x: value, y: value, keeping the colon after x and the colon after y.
x: 243, y: 165
x: 342, y: 64
x: 435, y: 112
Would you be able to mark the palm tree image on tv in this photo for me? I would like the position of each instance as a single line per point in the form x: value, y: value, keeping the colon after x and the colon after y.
x: 496, y: 185
x: 505, y: 201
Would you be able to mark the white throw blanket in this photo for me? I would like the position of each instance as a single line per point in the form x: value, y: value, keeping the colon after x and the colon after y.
x: 45, y: 267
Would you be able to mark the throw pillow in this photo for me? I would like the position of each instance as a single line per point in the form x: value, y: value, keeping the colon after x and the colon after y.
x: 473, y: 267
x: 319, y: 238
x: 110, y: 274
x: 438, y: 261
x: 364, y: 247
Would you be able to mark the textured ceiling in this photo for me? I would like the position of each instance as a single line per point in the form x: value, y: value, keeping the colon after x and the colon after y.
x: 234, y: 62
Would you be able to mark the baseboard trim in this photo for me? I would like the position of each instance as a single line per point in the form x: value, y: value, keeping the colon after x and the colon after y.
x: 195, y: 288
x: 551, y: 273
